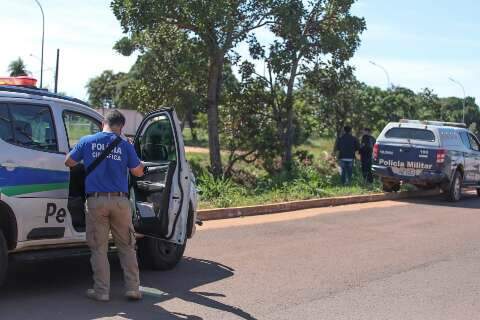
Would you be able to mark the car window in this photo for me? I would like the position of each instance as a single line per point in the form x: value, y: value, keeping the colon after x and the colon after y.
x: 33, y: 127
x: 79, y: 125
x: 410, y: 133
x: 157, y: 142
x: 6, y: 132
x: 465, y: 139
x: 473, y: 142
x: 450, y: 137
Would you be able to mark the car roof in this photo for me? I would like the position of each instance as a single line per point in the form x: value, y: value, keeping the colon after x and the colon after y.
x: 35, y: 93
x: 428, y: 125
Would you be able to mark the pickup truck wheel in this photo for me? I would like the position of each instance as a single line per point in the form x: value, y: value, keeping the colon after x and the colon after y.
x: 389, y: 187
x: 159, y: 254
x: 454, y: 192
x: 3, y: 258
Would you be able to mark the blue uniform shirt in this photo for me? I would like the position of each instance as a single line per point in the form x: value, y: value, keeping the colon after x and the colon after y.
x: 111, y: 175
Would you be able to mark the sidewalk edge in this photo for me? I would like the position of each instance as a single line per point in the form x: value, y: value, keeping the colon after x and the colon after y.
x: 236, y: 212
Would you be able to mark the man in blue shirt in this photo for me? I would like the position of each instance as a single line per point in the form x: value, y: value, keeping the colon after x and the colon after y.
x: 108, y: 206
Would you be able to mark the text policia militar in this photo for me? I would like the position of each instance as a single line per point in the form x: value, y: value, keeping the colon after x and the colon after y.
x: 405, y: 164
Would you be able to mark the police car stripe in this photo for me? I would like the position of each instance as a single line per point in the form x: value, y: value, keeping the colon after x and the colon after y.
x: 33, y: 188
x: 31, y: 176
x: 24, y: 181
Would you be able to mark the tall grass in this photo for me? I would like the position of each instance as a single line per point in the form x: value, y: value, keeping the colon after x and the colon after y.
x: 315, y: 175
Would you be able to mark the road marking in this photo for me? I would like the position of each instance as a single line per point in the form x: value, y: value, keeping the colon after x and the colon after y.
x: 295, y: 215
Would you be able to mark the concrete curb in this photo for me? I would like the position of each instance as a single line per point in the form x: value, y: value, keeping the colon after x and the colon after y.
x: 226, y: 213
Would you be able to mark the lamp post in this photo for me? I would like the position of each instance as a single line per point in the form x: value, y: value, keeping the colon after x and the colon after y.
x: 43, y: 41
x: 464, y: 96
x: 389, y: 84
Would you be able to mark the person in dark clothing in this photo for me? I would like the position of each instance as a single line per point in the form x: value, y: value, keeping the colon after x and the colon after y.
x: 366, y: 151
x: 346, y: 146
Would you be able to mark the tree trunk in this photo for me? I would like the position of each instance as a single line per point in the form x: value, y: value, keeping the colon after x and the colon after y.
x: 191, y: 124
x: 214, y: 85
x: 289, y: 132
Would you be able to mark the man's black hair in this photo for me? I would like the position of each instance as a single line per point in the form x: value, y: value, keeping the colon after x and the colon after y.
x: 347, y: 129
x: 115, y: 118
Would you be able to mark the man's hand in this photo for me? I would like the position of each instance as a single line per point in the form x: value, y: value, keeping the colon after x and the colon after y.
x: 138, y: 171
x: 69, y: 162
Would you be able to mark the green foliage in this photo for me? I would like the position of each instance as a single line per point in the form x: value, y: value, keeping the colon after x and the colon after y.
x: 358, y: 105
x: 17, y: 68
x: 216, y: 25
x: 310, y: 35
x: 219, y: 191
x: 105, y: 89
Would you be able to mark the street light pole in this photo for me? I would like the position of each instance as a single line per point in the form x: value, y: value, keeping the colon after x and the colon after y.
x: 43, y: 42
x: 464, y: 96
x: 389, y: 84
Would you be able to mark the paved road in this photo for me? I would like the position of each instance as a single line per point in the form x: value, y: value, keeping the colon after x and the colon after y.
x: 387, y: 260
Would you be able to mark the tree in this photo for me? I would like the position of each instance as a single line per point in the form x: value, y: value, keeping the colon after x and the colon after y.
x: 309, y: 35
x: 17, y: 68
x: 102, y: 90
x: 170, y: 71
x: 218, y: 24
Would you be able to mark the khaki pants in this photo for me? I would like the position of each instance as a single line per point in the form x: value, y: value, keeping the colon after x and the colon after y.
x: 105, y: 214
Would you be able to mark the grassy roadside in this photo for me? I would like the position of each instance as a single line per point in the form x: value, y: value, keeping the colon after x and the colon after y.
x: 251, y: 185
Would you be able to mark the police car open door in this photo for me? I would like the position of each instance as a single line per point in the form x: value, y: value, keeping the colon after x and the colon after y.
x: 159, y: 198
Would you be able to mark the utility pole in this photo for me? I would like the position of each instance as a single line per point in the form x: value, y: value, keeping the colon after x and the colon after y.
x: 56, y: 71
x: 389, y: 83
x: 464, y: 96
x: 43, y: 42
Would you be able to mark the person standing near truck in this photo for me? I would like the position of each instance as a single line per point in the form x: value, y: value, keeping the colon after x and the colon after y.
x: 107, y: 158
x: 366, y: 151
x: 346, y: 146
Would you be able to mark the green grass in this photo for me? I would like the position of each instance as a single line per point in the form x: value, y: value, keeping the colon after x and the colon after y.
x: 318, y: 146
x: 202, y: 138
x: 251, y: 185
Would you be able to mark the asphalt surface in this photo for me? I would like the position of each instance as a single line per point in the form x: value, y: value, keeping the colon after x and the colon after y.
x: 387, y: 260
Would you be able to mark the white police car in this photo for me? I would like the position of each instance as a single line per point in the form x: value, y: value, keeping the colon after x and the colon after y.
x: 428, y: 154
x: 42, y: 202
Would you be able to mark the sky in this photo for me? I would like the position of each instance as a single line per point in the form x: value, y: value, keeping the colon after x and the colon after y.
x: 421, y: 43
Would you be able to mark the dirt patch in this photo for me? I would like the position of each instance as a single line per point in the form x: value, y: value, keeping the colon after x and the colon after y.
x: 196, y: 150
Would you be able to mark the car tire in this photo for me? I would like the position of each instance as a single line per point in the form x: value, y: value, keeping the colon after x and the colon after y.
x: 478, y: 192
x: 389, y: 187
x: 454, y: 191
x: 158, y: 254
x: 3, y: 258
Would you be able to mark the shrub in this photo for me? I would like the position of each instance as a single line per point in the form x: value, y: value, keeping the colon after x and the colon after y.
x: 220, y: 192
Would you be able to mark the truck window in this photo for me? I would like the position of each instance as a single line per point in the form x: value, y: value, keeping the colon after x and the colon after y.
x: 157, y: 141
x: 33, y: 127
x: 465, y: 139
x: 411, y: 134
x: 473, y: 142
x: 6, y: 133
x: 79, y: 125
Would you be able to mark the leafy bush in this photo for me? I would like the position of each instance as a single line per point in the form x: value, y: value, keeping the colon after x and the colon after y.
x: 221, y: 192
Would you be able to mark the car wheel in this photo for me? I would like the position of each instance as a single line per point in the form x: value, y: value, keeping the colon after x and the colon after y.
x: 478, y: 192
x: 387, y: 187
x: 3, y: 258
x: 158, y: 254
x: 454, y: 192
x: 391, y: 187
